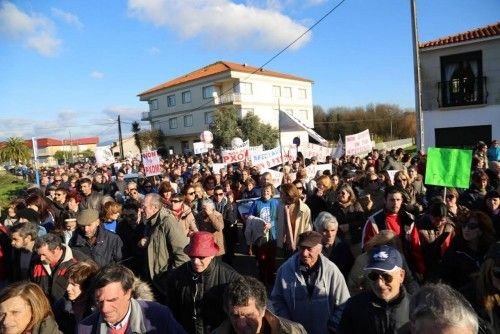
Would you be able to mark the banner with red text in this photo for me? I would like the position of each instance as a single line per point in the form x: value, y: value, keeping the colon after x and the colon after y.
x: 358, y: 143
x: 151, y: 161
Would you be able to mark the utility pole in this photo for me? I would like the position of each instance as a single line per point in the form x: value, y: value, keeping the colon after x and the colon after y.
x: 120, y: 139
x: 416, y: 70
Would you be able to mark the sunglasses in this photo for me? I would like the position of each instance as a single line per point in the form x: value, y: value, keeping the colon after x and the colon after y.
x: 373, y: 181
x: 176, y: 201
x: 219, y: 194
x: 450, y: 197
x: 191, y: 193
x: 496, y: 272
x: 471, y: 226
x: 374, y: 276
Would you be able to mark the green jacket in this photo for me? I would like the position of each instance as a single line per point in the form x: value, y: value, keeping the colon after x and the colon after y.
x: 166, y: 244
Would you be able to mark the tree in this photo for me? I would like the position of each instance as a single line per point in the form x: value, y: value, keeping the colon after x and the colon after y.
x: 60, y: 155
x: 136, y: 129
x: 15, y: 149
x: 257, y: 132
x: 224, y: 127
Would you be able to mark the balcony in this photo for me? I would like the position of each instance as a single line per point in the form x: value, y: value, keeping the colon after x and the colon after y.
x: 146, y: 116
x: 229, y: 98
x: 462, y: 92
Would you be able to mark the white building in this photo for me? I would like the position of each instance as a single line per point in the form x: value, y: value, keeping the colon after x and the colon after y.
x: 461, y: 88
x: 184, y: 107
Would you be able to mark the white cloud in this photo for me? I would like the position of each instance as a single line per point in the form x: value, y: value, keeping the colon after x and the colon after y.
x: 69, y: 18
x: 222, y: 23
x: 154, y: 51
x: 35, y: 31
x: 126, y: 113
x: 96, y: 75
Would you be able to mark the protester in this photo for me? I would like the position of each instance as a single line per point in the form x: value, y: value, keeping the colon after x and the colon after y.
x: 309, y: 288
x: 383, y: 308
x: 228, y: 210
x: 92, y: 239
x: 23, y: 237
x: 437, y: 308
x: 245, y: 303
x: 77, y: 302
x: 90, y: 199
x: 194, y: 289
x: 210, y: 220
x: 25, y: 309
x: 118, y: 311
x: 111, y: 215
x: 323, y: 197
x: 455, y: 211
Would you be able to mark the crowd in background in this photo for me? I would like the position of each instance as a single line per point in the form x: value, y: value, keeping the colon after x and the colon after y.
x: 348, y: 250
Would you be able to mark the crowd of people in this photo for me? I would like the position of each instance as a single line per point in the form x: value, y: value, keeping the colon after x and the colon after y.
x: 365, y: 246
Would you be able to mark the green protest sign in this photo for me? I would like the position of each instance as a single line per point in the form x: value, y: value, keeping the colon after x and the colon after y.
x: 448, y: 167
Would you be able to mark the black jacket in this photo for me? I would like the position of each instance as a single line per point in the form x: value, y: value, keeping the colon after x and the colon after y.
x: 365, y: 313
x: 108, y: 248
x: 196, y: 299
x: 65, y: 315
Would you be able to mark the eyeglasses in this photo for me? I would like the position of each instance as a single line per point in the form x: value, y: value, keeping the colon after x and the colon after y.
x: 496, y: 272
x: 471, y: 226
x: 219, y: 194
x: 176, y: 201
x: 374, y: 276
x: 450, y: 196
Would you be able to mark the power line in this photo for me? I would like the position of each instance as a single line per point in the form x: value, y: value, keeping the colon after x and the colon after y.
x: 272, y: 58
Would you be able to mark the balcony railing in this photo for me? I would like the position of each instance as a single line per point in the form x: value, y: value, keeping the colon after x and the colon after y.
x: 228, y: 98
x: 146, y: 116
x: 462, y: 92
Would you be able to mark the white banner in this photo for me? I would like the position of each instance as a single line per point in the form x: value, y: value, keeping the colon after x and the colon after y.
x: 151, y: 162
x: 200, y: 147
x: 310, y: 150
x: 259, y: 148
x: 290, y: 153
x: 243, y: 144
x: 230, y: 156
x: 104, y: 156
x: 217, y: 167
x: 339, y: 150
x: 358, y: 143
x: 276, y: 176
x: 266, y: 159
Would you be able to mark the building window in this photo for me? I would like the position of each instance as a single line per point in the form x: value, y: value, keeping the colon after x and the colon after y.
x: 244, y: 88
x: 462, y: 81
x: 153, y: 104
x: 287, y: 91
x: 171, y: 101
x: 208, y: 92
x: 172, y: 123
x: 302, y: 93
x: 186, y: 97
x: 276, y: 91
x: 303, y: 114
x: 209, y: 117
x: 188, y: 121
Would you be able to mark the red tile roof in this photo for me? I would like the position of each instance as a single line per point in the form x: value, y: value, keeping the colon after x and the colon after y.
x: 216, y: 68
x: 45, y: 142
x: 483, y: 32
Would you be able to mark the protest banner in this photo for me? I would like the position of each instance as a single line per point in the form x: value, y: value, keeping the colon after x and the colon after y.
x: 151, y: 162
x: 266, y: 159
x: 392, y: 173
x: 217, y: 167
x: 358, y: 143
x: 322, y: 167
x: 289, y: 153
x: 310, y: 150
x: 200, y: 147
x: 277, y: 177
x: 104, y: 156
x: 259, y: 148
x: 448, y: 167
x: 237, y: 155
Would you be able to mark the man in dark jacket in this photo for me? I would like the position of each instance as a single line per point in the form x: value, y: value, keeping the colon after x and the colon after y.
x: 118, y: 312
x: 385, y: 308
x: 245, y: 301
x: 50, y: 269
x: 90, y: 199
x: 95, y: 241
x: 22, y: 240
x: 194, y: 289
x: 473, y: 198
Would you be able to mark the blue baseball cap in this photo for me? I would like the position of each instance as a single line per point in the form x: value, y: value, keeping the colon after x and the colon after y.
x: 384, y: 258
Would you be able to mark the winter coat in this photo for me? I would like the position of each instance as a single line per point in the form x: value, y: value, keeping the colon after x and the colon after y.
x: 318, y: 204
x: 473, y: 198
x: 92, y: 201
x: 354, y: 216
x: 303, y: 223
x: 166, y: 244
x: 277, y: 325
x: 213, y: 224
x: 107, y: 249
x: 365, y: 313
x: 53, y: 281
x: 145, y: 317
x: 196, y: 299
x: 65, y: 315
x: 187, y: 220
x: 320, y: 312
x: 46, y: 326
x: 340, y: 254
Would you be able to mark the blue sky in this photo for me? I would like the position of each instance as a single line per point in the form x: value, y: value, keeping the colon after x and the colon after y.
x: 69, y: 67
